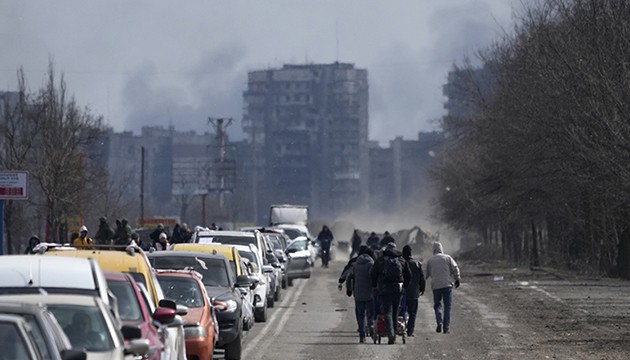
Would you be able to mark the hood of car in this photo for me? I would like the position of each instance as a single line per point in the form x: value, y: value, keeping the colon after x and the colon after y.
x: 219, y: 292
x: 194, y: 315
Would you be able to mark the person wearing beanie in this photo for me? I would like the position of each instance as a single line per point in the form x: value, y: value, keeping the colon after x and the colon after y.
x: 444, y: 274
x: 415, y: 289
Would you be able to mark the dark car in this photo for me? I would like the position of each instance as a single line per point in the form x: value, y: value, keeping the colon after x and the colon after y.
x: 221, y: 285
x: 299, y: 260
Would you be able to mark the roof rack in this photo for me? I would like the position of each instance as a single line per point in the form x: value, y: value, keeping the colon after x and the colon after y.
x: 130, y: 249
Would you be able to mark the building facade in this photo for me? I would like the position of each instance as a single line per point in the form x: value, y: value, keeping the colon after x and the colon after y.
x: 306, y: 127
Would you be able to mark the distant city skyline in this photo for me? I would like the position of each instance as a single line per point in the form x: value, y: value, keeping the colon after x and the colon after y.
x: 157, y: 63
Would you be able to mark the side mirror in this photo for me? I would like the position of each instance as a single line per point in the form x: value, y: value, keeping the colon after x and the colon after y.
x: 243, y: 281
x: 73, y: 354
x: 164, y: 315
x: 131, y: 332
x: 137, y: 347
x: 169, y: 304
x: 255, y: 281
x: 181, y: 310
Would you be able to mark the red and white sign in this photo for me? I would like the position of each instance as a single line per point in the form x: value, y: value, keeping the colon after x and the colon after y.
x: 13, y: 185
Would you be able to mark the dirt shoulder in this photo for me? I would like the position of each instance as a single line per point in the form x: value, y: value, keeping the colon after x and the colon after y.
x: 558, y: 315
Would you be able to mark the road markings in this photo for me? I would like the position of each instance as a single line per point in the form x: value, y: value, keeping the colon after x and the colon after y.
x: 251, y: 344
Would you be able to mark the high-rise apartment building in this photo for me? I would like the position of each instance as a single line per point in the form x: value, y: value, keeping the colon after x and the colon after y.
x: 307, y: 129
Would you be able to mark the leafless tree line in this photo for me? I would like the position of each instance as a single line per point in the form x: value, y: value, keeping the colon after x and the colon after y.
x: 46, y: 133
x: 540, y: 166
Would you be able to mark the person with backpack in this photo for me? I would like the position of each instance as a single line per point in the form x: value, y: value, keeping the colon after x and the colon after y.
x: 359, y: 281
x: 444, y: 274
x: 390, y: 275
x: 415, y: 289
x: 387, y: 239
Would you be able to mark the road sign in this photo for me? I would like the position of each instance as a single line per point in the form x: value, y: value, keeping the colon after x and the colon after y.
x: 13, y: 185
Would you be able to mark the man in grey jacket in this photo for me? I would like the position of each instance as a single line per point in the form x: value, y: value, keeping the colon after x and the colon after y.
x: 444, y: 273
x: 359, y: 281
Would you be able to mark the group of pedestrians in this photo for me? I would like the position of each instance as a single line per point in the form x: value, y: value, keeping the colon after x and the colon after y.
x: 381, y: 277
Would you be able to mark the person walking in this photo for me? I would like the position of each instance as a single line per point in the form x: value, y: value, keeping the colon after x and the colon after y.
x: 355, y: 243
x: 325, y: 239
x: 373, y: 241
x: 359, y: 281
x: 83, y: 240
x: 387, y: 238
x: 415, y: 289
x: 444, y: 274
x: 390, y: 275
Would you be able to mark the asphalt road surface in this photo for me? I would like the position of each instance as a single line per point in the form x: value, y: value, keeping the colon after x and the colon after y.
x: 498, y: 313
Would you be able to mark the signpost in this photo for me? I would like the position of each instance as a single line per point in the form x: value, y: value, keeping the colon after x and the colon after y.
x: 13, y: 186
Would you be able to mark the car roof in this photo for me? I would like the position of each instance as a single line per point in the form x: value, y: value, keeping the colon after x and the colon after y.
x: 186, y: 253
x: 187, y: 273
x: 116, y: 276
x: 42, y: 271
x: 204, y: 233
x: 111, y: 260
x: 214, y: 248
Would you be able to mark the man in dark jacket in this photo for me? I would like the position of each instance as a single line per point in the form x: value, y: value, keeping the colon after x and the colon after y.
x: 373, y: 241
x: 387, y: 238
x: 325, y: 239
x: 415, y: 288
x: 390, y: 275
x: 105, y: 233
x: 356, y: 244
x: 361, y: 284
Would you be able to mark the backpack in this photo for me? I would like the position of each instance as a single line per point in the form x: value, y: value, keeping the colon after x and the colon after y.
x: 392, y: 270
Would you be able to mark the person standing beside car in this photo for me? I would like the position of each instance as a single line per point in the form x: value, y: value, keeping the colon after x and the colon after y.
x: 415, y: 289
x: 444, y: 274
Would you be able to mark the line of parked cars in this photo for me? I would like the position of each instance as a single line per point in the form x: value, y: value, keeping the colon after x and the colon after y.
x: 120, y: 302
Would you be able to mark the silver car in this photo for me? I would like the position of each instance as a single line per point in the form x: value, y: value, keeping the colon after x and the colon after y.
x: 90, y: 325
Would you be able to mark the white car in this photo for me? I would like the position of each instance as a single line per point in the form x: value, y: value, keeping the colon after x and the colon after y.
x: 262, y: 291
x: 23, y: 274
x: 90, y: 325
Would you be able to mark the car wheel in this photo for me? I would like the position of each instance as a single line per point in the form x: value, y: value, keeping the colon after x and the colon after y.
x: 270, y: 301
x: 289, y: 281
x: 284, y: 282
x: 260, y: 314
x: 233, y: 350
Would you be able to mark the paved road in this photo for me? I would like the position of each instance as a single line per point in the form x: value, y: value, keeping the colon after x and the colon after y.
x: 494, y: 317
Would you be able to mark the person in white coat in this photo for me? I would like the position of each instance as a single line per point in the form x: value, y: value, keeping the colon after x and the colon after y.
x: 444, y: 274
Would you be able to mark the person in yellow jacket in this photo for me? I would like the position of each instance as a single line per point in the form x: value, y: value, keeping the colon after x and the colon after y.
x: 83, y: 240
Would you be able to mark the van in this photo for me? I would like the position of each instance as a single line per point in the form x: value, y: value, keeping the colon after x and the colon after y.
x: 130, y: 259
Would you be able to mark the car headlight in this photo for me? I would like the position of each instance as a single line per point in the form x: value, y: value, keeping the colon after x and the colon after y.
x: 225, y: 305
x: 194, y: 331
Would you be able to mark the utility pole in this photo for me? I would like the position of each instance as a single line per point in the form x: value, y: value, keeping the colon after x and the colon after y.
x: 224, y: 168
x: 142, y: 186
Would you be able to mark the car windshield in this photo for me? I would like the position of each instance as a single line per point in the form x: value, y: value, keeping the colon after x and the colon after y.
x: 38, y: 335
x: 11, y: 343
x: 249, y: 256
x: 128, y: 306
x: 139, y: 278
x: 299, y: 245
x: 275, y: 242
x: 292, y: 233
x: 183, y: 290
x: 85, y: 326
x: 213, y: 270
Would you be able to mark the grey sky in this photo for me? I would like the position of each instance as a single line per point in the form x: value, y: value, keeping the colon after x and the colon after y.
x: 155, y: 62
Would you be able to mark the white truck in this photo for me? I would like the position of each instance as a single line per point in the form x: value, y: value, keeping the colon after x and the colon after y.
x: 293, y: 219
